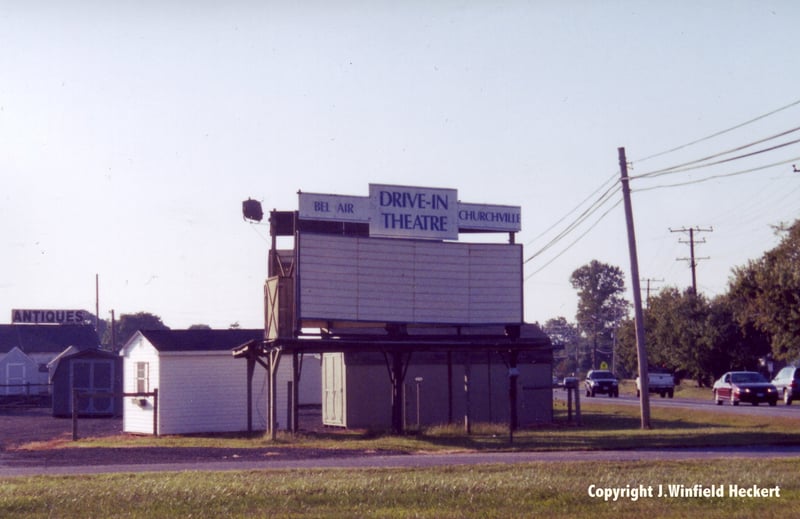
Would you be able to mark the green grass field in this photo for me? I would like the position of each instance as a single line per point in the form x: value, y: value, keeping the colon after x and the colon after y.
x: 519, y: 490
x: 516, y: 490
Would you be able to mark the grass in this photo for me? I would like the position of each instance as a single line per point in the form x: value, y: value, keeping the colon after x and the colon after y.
x: 686, y: 389
x: 519, y: 490
x: 605, y: 426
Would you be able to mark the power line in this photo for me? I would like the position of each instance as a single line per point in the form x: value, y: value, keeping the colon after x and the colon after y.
x: 722, y: 175
x: 573, y: 243
x: 697, y: 164
x: 721, y: 132
x: 693, y: 260
x: 605, y: 197
x: 611, y: 178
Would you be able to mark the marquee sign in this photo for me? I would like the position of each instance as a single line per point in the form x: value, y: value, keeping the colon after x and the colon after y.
x: 411, y: 212
x: 50, y: 316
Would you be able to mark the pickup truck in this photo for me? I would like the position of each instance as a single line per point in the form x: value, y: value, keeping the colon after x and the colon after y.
x: 658, y: 382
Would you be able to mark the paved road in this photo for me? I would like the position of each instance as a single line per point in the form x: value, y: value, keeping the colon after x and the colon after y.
x: 415, y: 460
x: 791, y: 411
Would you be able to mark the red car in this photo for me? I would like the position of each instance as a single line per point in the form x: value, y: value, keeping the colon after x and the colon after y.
x: 744, y: 386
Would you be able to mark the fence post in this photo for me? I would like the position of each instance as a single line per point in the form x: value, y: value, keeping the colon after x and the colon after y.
x: 74, y: 415
x: 155, y: 412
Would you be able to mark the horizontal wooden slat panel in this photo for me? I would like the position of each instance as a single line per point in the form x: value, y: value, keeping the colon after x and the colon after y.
x: 393, y: 280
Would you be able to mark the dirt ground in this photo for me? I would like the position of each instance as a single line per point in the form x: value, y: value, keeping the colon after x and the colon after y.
x: 22, y: 426
x: 33, y: 437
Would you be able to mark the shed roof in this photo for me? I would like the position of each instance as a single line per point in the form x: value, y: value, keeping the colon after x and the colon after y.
x: 67, y: 355
x: 200, y: 340
x: 46, y: 338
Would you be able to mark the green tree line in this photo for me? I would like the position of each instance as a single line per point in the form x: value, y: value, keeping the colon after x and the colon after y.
x: 694, y: 336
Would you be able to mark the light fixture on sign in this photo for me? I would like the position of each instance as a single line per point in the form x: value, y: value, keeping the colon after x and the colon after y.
x: 251, y: 210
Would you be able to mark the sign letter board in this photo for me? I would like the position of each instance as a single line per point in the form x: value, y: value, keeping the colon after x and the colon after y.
x: 413, y: 212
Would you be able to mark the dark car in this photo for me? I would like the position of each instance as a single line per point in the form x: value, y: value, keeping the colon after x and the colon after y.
x: 601, y: 381
x: 787, y: 382
x: 744, y: 386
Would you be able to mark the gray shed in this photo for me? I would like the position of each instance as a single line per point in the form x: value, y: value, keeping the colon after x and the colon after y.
x: 88, y: 371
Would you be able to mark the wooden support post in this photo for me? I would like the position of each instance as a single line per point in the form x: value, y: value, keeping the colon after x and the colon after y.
x: 294, y: 396
x: 449, y: 387
x: 251, y: 366
x: 75, y: 414
x: 569, y: 405
x: 274, y: 362
x: 397, y: 392
x: 290, y: 416
x: 513, y: 375
x: 467, y: 410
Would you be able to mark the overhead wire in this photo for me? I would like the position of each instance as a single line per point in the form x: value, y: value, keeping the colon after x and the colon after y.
x: 697, y: 163
x: 579, y: 238
x: 680, y: 168
x: 611, y: 178
x: 721, y: 132
x: 605, y: 197
x: 714, y: 177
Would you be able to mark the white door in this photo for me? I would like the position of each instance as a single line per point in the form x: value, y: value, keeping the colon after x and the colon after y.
x: 15, y: 378
x: 333, y: 389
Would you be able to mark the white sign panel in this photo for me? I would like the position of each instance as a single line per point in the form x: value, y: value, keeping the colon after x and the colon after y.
x: 315, y: 206
x: 361, y: 279
x: 501, y: 218
x: 413, y: 212
x: 50, y: 316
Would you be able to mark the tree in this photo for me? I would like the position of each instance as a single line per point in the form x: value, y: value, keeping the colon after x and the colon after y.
x: 766, y: 293
x: 199, y: 327
x: 565, y: 338
x: 691, y: 337
x: 601, y: 306
x: 129, y: 324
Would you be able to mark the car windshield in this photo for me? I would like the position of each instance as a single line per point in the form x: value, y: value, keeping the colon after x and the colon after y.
x: 601, y: 374
x: 747, y: 378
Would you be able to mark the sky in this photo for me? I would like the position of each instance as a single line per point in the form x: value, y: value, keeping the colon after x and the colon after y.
x: 131, y: 132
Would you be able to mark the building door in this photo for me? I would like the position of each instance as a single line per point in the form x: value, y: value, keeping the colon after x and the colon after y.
x: 333, y: 389
x: 15, y: 378
x: 94, y: 376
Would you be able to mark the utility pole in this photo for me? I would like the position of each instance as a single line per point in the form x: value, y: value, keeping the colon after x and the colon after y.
x: 692, y: 259
x: 644, y: 401
x: 648, y: 280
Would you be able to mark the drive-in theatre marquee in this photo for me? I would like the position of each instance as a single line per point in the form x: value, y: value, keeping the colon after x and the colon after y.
x: 410, y: 268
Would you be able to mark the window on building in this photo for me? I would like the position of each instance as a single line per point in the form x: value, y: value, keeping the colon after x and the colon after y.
x: 142, y: 377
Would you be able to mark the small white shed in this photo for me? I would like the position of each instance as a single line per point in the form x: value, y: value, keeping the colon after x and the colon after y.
x: 18, y: 372
x: 202, y: 388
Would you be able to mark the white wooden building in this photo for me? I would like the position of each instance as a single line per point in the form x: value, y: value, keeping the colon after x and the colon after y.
x: 202, y: 388
x: 26, y: 350
x: 375, y: 282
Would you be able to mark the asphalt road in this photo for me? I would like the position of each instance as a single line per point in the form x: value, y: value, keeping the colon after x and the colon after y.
x: 792, y: 411
x: 33, y: 468
x: 415, y: 460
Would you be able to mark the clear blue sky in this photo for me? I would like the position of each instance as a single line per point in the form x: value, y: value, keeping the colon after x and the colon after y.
x: 130, y: 133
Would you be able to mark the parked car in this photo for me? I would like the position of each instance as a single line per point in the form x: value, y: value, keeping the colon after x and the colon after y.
x: 787, y: 382
x: 744, y: 386
x: 660, y: 382
x: 601, y: 381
